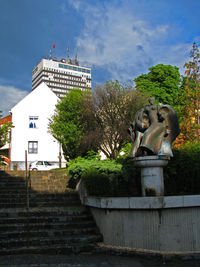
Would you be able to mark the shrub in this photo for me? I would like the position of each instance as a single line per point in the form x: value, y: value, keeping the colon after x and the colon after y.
x: 132, y: 175
x: 121, y: 176
x: 97, y: 183
x: 182, y: 174
x: 109, y: 167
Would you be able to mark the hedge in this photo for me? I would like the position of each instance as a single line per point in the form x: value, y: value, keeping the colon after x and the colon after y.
x: 121, y: 178
x: 106, y: 177
x: 182, y: 174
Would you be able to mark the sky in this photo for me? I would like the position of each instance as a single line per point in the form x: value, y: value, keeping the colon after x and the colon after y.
x: 118, y: 39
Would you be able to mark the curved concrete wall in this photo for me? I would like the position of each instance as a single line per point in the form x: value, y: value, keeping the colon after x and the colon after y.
x: 153, y: 223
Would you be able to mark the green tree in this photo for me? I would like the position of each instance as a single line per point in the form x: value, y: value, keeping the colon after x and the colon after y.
x: 95, y: 121
x: 115, y: 106
x: 162, y: 82
x: 4, y: 132
x: 70, y: 123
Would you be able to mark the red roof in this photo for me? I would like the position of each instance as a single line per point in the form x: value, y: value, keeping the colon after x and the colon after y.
x: 5, y: 120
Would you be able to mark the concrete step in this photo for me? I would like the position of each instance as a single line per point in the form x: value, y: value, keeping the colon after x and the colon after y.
x: 12, y: 190
x: 50, y: 249
x: 58, y: 220
x: 42, y: 201
x: 53, y: 204
x: 45, y: 211
x: 48, y: 241
x: 9, y: 193
x: 14, y: 205
x: 21, y: 201
x: 46, y: 233
x: 27, y: 226
x: 54, y: 223
x: 11, y: 197
x: 17, y: 199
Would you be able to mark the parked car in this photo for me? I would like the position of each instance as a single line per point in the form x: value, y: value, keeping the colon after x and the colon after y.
x: 41, y: 165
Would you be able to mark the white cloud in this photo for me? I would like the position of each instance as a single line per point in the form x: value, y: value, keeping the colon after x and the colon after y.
x: 9, y: 97
x: 124, y: 44
x: 75, y: 3
x: 176, y: 55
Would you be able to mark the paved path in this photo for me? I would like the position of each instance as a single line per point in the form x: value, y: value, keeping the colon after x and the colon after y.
x: 90, y: 260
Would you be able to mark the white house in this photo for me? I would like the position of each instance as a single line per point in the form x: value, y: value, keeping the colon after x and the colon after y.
x: 30, y: 118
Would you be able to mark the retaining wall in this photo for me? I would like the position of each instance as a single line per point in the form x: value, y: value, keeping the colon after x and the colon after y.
x: 43, y: 181
x: 152, y: 223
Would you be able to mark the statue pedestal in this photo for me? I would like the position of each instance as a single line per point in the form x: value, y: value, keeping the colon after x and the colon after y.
x: 152, y: 174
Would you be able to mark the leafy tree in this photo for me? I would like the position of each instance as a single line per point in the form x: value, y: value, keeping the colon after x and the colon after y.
x: 71, y: 121
x: 162, y: 82
x: 4, y: 132
x: 95, y: 121
x: 114, y: 107
x: 190, y: 125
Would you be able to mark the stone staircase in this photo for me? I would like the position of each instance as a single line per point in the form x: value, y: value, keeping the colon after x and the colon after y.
x: 55, y: 222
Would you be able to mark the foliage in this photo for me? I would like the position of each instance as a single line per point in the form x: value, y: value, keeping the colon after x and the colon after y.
x: 114, y: 106
x: 162, y: 82
x: 92, y: 155
x: 80, y: 165
x: 190, y: 125
x: 125, y: 151
x: 4, y: 130
x: 182, y: 172
x: 97, y: 183
x: 70, y: 123
x: 119, y: 178
x: 96, y: 121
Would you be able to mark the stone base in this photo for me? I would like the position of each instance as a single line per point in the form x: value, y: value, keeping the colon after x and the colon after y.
x: 152, y: 174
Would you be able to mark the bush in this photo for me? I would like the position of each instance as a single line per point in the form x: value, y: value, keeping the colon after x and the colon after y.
x: 109, y: 167
x: 97, y: 184
x: 182, y: 174
x: 120, y: 176
x: 132, y: 175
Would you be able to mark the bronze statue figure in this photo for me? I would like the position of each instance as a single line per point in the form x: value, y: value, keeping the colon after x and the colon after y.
x: 153, y: 130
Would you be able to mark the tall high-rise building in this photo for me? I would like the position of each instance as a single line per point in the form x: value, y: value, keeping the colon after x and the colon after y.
x: 61, y: 75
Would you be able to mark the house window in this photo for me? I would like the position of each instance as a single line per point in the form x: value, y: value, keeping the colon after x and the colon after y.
x: 33, y: 147
x: 33, y: 122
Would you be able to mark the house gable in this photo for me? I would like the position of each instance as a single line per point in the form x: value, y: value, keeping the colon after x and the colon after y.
x: 30, y: 118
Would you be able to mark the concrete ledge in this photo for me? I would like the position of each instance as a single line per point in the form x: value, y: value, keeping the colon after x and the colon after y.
x: 149, y: 254
x: 143, y: 202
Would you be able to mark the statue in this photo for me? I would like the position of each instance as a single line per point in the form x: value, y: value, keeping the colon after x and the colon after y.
x: 153, y: 130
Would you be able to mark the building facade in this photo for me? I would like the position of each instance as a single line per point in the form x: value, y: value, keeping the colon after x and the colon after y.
x: 30, y: 118
x: 61, y: 75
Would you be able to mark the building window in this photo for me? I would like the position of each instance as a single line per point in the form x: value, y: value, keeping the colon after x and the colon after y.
x: 33, y: 122
x: 32, y: 147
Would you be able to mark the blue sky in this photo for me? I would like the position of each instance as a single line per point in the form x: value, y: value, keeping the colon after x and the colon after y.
x: 119, y: 39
